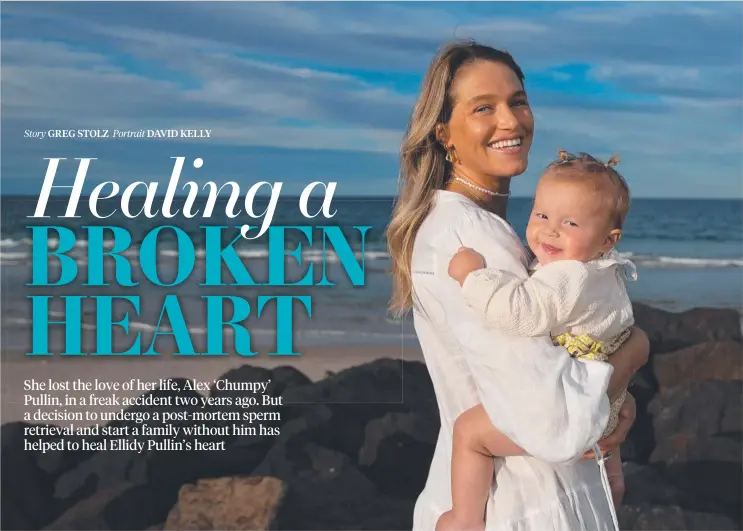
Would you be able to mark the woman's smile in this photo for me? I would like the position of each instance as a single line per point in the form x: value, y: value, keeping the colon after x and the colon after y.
x: 507, y: 146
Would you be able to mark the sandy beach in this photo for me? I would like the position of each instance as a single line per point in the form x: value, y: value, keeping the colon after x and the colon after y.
x: 315, y: 363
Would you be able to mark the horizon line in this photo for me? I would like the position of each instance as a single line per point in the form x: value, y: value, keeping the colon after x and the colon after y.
x: 363, y: 196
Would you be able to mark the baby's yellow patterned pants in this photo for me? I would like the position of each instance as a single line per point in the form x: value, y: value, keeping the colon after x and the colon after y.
x: 587, y: 348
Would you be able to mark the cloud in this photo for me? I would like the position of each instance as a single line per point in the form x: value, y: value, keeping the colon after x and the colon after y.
x: 240, y: 98
x: 710, y: 83
x: 336, y: 81
x: 667, y: 76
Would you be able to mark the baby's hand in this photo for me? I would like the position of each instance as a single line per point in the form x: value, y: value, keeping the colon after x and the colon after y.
x: 465, y: 262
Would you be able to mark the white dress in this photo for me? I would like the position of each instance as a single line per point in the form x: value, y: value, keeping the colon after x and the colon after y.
x: 553, y: 406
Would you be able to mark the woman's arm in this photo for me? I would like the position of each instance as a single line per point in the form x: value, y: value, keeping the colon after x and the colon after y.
x: 630, y: 357
x: 547, y: 403
x: 627, y: 416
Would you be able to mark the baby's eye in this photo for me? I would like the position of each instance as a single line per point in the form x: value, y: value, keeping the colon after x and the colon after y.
x: 571, y: 223
x: 540, y: 215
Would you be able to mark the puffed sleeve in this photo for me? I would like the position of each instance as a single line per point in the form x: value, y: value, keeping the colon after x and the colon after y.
x: 553, y: 406
x: 531, y: 306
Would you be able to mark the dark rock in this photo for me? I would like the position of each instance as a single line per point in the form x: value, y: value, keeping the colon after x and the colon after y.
x: 716, y: 485
x: 698, y: 427
x: 670, y: 331
x: 279, y: 381
x: 288, y: 455
x: 27, y: 489
x: 389, y: 383
x: 708, y: 469
x: 646, y: 485
x: 722, y: 360
x: 698, y: 409
x: 665, y: 517
x: 15, y: 518
x: 640, y: 441
x: 286, y: 377
x: 715, y: 331
x: 155, y: 474
x: 328, y: 492
x: 240, y: 457
x: 660, y: 485
x: 685, y: 447
x: 28, y: 478
x: 91, y: 512
x: 325, y: 490
x: 395, y: 442
x: 360, y: 394
x: 336, y: 504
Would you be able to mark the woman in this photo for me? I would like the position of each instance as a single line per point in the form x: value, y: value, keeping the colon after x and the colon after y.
x: 470, y: 132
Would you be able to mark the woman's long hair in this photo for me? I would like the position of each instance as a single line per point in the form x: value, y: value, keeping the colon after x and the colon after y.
x: 423, y: 165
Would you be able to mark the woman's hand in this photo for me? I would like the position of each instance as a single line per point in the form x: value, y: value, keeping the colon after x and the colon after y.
x: 627, y: 361
x: 627, y: 416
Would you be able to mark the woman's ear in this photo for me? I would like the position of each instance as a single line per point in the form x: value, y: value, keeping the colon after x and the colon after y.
x: 442, y: 133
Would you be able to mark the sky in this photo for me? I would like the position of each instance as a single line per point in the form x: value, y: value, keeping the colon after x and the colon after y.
x: 302, y: 92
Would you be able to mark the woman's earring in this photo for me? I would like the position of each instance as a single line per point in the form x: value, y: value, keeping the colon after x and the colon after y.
x: 450, y: 157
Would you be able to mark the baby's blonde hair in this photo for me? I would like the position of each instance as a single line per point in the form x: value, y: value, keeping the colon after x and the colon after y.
x: 607, y: 181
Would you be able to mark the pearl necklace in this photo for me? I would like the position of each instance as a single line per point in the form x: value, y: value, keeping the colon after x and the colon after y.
x: 481, y: 189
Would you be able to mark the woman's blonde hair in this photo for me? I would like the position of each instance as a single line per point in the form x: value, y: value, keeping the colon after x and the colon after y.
x: 423, y: 165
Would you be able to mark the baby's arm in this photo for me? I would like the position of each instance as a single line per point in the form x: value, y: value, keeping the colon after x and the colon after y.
x: 532, y: 306
x: 465, y: 262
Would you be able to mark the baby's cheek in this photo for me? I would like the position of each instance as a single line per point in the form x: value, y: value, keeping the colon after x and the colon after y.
x: 579, y: 250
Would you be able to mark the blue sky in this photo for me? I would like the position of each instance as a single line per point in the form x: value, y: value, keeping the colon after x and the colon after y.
x: 298, y: 92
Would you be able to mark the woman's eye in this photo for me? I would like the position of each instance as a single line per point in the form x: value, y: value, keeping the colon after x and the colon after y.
x: 483, y: 108
x: 520, y: 102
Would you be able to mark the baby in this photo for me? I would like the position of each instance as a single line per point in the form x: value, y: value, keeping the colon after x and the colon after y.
x: 575, y: 293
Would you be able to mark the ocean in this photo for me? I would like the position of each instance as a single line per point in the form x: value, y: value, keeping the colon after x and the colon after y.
x: 689, y: 253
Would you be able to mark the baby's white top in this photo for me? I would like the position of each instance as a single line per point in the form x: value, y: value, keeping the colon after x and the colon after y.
x: 562, y: 296
x: 553, y: 406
